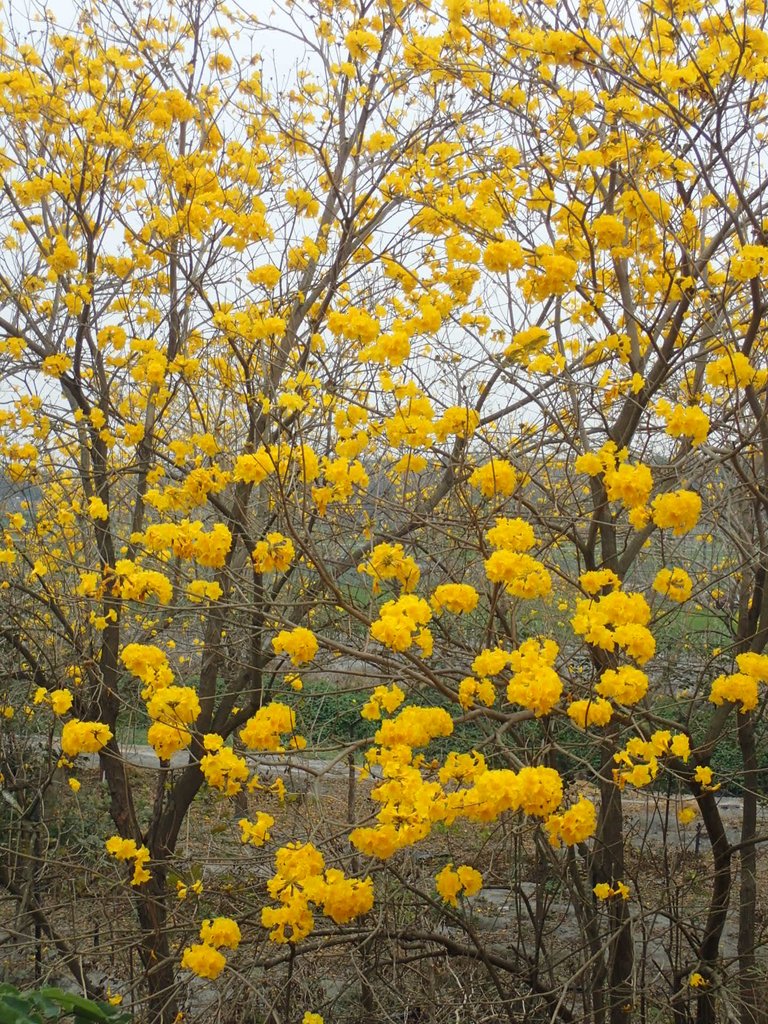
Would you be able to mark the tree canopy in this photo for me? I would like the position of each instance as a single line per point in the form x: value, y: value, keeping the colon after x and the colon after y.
x: 411, y: 354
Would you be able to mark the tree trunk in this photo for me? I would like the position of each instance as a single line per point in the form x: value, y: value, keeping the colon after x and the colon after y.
x: 609, y: 867
x: 157, y: 960
x: 752, y: 1005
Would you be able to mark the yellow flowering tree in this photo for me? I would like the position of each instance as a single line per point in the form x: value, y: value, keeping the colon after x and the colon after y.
x: 441, y: 353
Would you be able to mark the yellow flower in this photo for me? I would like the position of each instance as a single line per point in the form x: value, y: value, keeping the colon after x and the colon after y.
x: 74, y: 785
x: 574, y: 825
x: 203, y: 960
x: 126, y: 849
x: 299, y: 644
x: 61, y: 701
x: 464, y: 881
x: 738, y: 688
x: 511, y: 534
x: 595, y: 711
x: 454, y: 597
x: 535, y: 684
x: 383, y: 698
x: 274, y: 554
x: 593, y: 582
x: 221, y: 931
x: 605, y: 891
x: 626, y: 684
x: 703, y: 775
x: 389, y: 562
x: 256, y: 833
x: 675, y: 584
x: 265, y: 729
x: 174, y: 705
x: 56, y: 366
x: 167, y: 740
x: 688, y: 421
x: 495, y: 477
x: 499, y: 257
x: 631, y: 485
x: 97, y: 509
x: 224, y: 770
x: 677, y: 510
x: 267, y: 275
x: 730, y: 370
x: 84, y: 737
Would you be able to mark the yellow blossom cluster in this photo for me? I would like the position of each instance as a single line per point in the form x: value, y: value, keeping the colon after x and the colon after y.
x: 266, y: 728
x: 703, y: 774
x: 511, y: 535
x: 749, y: 261
x: 343, y: 478
x: 490, y: 661
x: 273, y: 554
x: 205, y: 958
x: 639, y: 760
x: 300, y: 644
x: 456, y: 422
x: 133, y: 583
x: 495, y: 477
x: 61, y: 700
x: 685, y: 421
x: 383, y: 698
x: 629, y: 484
x: 574, y: 825
x: 526, y: 343
x: 615, y: 620
x: 678, y: 511
x: 172, y: 709
x: 203, y: 590
x: 149, y: 664
x: 455, y: 598
x: 522, y: 575
x: 127, y: 849
x: 84, y: 737
x: 256, y: 833
x: 300, y: 880
x: 535, y: 684
x: 187, y: 540
x: 254, y: 468
x: 402, y: 622
x: 730, y: 370
x: 594, y: 711
x: 626, y: 684
x: 675, y: 584
x: 504, y: 255
x: 412, y: 424
x: 472, y: 690
x: 595, y: 580
x: 389, y: 562
x: 606, y: 891
x: 414, y: 727
x: 741, y: 687
x: 454, y: 882
x: 224, y: 770
x: 595, y: 463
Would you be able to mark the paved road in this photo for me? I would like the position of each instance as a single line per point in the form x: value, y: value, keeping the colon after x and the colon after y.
x: 649, y: 818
